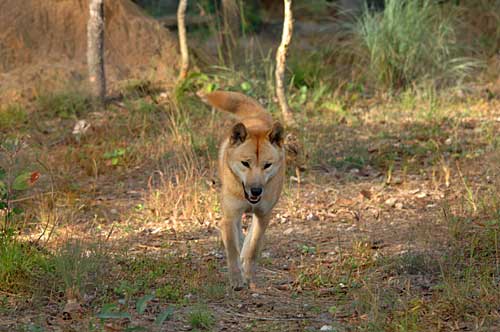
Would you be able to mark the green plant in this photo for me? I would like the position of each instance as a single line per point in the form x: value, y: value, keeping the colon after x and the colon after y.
x: 201, y: 317
x: 115, y: 156
x: 80, y: 266
x: 66, y: 105
x: 411, y: 42
x: 12, y: 183
x: 111, y: 311
x: 169, y: 293
x: 19, y: 264
x: 12, y: 117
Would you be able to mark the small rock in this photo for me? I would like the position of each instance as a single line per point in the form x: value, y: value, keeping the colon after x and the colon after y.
x: 397, y: 180
x: 156, y: 230
x: 390, y: 202
x: 312, y: 217
x: 255, y: 295
x: 81, y: 127
x: 421, y: 195
x: 283, y: 287
x: 448, y: 141
x: 326, y: 328
x: 113, y: 211
x: 399, y: 205
x: 288, y: 231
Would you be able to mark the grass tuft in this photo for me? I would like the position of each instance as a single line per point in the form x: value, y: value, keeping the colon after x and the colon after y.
x: 19, y: 263
x: 411, y: 42
x: 66, y: 105
x: 201, y: 317
x: 12, y: 117
x: 79, y: 266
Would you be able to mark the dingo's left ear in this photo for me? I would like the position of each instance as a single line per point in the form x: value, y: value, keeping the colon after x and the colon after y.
x: 277, y: 134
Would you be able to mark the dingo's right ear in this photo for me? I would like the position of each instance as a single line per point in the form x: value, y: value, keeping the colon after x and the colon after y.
x: 238, y: 134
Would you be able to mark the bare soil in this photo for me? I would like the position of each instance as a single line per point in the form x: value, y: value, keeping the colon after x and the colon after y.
x: 43, y: 45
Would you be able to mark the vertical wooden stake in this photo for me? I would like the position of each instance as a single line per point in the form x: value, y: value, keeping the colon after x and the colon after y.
x: 281, y: 64
x: 95, y: 50
x: 181, y: 25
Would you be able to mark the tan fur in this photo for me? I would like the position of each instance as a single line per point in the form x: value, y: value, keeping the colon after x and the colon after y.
x: 257, y: 141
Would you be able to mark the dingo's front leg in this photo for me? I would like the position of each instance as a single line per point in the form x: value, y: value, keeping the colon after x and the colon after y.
x: 252, y: 247
x: 231, y: 236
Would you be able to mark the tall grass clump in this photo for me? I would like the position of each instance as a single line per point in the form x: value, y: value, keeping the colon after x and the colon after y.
x: 19, y: 265
x: 410, y: 43
x: 78, y: 266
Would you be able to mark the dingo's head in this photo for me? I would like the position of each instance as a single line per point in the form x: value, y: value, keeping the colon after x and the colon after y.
x: 255, y: 157
x: 254, y: 151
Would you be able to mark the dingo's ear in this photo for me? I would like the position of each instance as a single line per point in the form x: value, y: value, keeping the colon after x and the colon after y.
x: 277, y: 134
x: 238, y: 134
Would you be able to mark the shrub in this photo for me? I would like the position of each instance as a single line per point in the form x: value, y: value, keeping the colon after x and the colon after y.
x: 66, y: 105
x: 409, y: 43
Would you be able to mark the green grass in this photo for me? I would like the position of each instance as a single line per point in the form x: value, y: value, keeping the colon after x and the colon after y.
x: 79, y: 267
x: 12, y: 117
x: 65, y: 105
x: 20, y: 263
x: 201, y: 317
x: 412, y: 42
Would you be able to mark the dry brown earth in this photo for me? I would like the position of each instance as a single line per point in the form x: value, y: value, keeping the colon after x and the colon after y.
x: 43, y: 45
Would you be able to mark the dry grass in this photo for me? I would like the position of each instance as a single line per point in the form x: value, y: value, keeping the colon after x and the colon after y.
x: 155, y: 211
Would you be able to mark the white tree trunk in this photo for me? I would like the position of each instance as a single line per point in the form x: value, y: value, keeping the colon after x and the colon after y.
x: 281, y: 64
x: 181, y: 24
x: 95, y: 49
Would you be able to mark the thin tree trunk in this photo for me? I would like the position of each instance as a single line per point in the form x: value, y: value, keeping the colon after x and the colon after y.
x: 231, y: 27
x: 281, y: 64
x: 95, y: 50
x: 181, y: 25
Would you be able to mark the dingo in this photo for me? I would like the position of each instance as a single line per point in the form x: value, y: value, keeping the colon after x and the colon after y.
x: 252, y: 171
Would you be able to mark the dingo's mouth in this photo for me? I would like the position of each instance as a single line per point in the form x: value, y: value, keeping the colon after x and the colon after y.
x: 250, y: 198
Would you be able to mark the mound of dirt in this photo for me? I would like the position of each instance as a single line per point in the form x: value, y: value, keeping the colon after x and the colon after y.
x: 43, y: 45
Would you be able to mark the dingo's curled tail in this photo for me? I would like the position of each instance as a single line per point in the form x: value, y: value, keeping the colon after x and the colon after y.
x: 243, y: 107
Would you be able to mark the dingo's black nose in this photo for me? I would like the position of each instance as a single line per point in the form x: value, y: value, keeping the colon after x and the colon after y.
x: 256, y: 191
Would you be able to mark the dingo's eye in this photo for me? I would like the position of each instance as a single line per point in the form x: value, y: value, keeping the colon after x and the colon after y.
x: 246, y: 164
x: 267, y: 165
